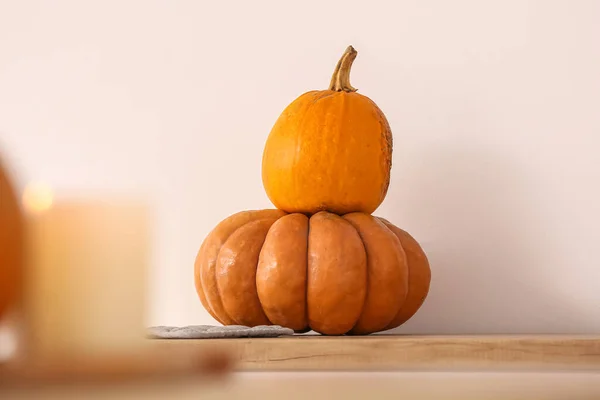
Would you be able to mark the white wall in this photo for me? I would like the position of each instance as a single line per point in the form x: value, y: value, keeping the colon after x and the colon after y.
x: 494, y: 108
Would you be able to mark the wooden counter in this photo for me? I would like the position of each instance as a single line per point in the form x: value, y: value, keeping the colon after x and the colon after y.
x: 317, y: 367
x: 416, y: 353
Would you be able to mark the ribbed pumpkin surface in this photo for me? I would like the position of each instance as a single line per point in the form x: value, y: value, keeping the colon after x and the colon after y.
x: 350, y: 274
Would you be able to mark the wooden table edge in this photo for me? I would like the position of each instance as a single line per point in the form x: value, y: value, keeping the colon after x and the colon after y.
x: 406, y: 352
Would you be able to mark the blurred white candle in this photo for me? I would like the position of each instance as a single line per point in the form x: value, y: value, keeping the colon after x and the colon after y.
x: 86, y: 274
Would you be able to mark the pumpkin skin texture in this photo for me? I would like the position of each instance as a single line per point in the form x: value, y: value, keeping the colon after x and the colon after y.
x: 419, y: 276
x: 337, y: 274
x: 329, y: 150
x: 205, y: 267
x: 354, y: 274
x: 387, y: 269
x: 283, y: 264
x: 11, y: 245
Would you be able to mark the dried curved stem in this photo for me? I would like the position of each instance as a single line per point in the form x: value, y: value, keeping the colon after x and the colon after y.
x: 340, y: 80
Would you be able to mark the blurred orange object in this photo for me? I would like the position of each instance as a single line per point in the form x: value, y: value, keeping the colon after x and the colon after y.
x: 11, y: 244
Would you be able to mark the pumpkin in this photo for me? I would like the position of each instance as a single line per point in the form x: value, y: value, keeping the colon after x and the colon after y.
x: 329, y: 150
x: 351, y: 274
x: 11, y: 242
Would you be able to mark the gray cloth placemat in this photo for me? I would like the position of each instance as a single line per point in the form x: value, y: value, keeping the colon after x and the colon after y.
x: 217, y: 332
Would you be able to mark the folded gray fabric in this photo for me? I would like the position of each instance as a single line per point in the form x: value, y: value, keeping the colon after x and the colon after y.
x: 215, y: 332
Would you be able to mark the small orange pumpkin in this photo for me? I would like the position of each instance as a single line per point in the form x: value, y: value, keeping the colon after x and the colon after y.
x: 350, y: 274
x: 329, y: 150
x: 11, y: 242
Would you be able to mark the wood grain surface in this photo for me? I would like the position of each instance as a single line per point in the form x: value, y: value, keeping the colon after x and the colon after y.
x: 416, y: 353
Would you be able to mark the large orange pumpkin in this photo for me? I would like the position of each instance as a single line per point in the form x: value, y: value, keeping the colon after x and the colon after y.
x: 329, y: 150
x: 350, y: 274
x: 11, y: 244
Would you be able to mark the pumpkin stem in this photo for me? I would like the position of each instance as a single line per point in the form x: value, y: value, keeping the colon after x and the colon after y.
x: 340, y: 80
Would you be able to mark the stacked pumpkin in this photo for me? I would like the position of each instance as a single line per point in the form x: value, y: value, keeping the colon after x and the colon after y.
x: 320, y: 261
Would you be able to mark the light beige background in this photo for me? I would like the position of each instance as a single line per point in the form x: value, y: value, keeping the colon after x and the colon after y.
x: 494, y: 107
